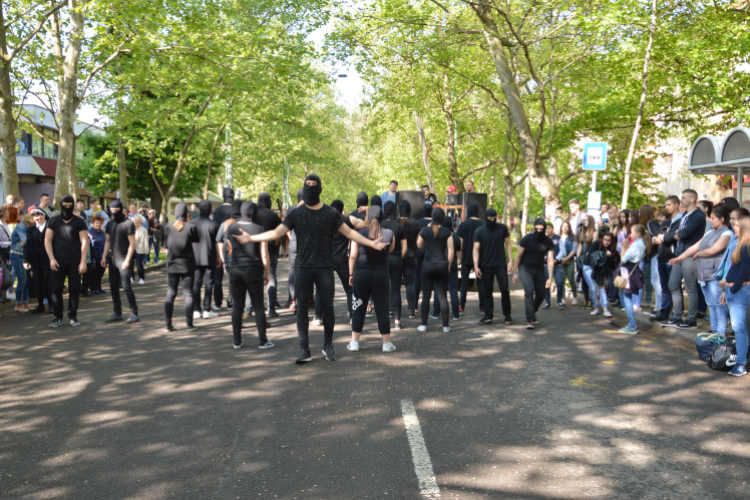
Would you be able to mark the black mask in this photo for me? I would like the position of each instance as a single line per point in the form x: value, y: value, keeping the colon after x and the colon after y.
x: 228, y: 195
x: 180, y: 212
x: 236, y: 209
x: 490, y: 224
x: 376, y: 201
x: 204, y: 209
x: 117, y: 216
x: 537, y: 233
x: 249, y: 210
x: 389, y: 210
x: 311, y: 194
x: 67, y: 212
x: 437, y: 216
x: 362, y: 199
x: 337, y: 205
x: 405, y: 208
x: 264, y: 200
x: 472, y: 210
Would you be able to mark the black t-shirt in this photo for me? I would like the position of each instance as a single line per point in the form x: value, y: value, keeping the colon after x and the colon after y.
x: 179, y: 245
x: 66, y: 245
x: 379, y: 259
x: 118, y: 238
x: 466, y: 231
x: 398, y: 234
x: 268, y: 220
x: 411, y: 231
x: 492, y: 246
x: 205, y: 248
x: 222, y: 214
x: 423, y: 223
x: 340, y: 244
x: 314, y: 230
x: 535, y: 251
x: 245, y: 255
x: 358, y: 215
x: 435, y: 248
x: 221, y: 237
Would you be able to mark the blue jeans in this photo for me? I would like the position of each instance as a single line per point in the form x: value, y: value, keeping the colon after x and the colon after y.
x: 737, y: 303
x: 559, y: 275
x: 717, y: 311
x: 22, y: 288
x: 666, y: 295
x: 588, y: 275
x: 656, y: 283
x: 627, y: 301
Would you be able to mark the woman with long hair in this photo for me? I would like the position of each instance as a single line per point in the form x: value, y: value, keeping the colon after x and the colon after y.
x: 650, y: 220
x: 223, y: 244
x: 586, y: 238
x: 632, y: 255
x: 18, y: 242
x: 453, y: 278
x: 565, y: 253
x: 178, y: 243
x: 643, y: 216
x: 623, y: 228
x: 436, y: 266
x: 736, y: 294
x: 603, y: 258
x: 369, y: 278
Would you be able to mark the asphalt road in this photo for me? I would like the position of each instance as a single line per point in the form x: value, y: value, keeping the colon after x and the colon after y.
x: 569, y: 410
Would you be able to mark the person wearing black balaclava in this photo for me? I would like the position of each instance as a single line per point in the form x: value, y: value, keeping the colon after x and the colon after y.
x: 529, y: 265
x: 362, y: 201
x: 67, y: 244
x: 436, y: 267
x: 340, y: 265
x: 491, y: 242
x: 314, y: 222
x: 395, y: 259
x: 223, y: 247
x: 222, y: 214
x: 205, y: 261
x: 425, y: 221
x: 121, y: 240
x: 293, y: 254
x: 453, y: 278
x: 409, y: 260
x: 250, y: 271
x: 466, y: 233
x: 268, y: 220
x: 370, y: 279
x: 178, y: 240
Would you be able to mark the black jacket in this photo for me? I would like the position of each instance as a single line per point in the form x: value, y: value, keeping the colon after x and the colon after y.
x: 666, y: 249
x: 34, y: 252
x: 205, y: 249
x: 692, y: 231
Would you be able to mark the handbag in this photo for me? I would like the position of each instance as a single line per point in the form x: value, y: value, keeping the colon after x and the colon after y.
x: 621, y: 282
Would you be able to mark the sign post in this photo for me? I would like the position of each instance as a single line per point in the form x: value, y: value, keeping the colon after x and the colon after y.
x: 595, y: 159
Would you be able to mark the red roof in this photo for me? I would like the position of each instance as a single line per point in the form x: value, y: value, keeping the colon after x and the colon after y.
x: 49, y: 167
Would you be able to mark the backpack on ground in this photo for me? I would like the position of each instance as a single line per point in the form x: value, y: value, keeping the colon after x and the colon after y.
x: 6, y: 279
x: 723, y: 357
x: 705, y: 343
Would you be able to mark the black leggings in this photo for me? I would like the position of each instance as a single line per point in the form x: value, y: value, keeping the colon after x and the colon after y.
x: 173, y: 281
x: 203, y: 274
x: 242, y: 281
x: 304, y: 280
x: 435, y: 274
x: 396, y: 270
x: 410, y: 267
x: 376, y: 284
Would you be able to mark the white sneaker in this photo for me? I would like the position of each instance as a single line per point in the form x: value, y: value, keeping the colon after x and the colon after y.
x: 196, y: 315
x: 422, y: 328
x: 317, y: 322
x: 210, y: 314
x: 574, y: 301
x: 389, y: 347
x: 446, y: 329
x: 354, y: 347
x: 595, y: 312
x: 607, y: 314
x: 141, y: 282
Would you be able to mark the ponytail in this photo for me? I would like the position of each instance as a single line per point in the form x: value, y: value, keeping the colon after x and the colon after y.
x: 179, y: 224
x: 435, y: 230
x: 373, y: 234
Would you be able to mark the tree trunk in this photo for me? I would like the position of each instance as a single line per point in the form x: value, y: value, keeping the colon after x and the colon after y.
x: 123, y: 171
x: 451, y: 143
x: 156, y: 201
x: 211, y: 161
x: 525, y: 217
x: 493, y: 191
x: 511, y: 200
x: 425, y: 152
x: 7, y: 133
x: 639, y: 119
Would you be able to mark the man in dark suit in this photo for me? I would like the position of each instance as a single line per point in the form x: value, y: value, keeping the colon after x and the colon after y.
x: 36, y: 261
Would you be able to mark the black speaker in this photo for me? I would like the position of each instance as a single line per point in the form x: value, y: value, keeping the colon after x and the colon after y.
x: 478, y: 198
x: 415, y: 199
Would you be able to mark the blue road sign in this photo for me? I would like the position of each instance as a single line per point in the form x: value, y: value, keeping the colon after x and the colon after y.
x: 595, y: 156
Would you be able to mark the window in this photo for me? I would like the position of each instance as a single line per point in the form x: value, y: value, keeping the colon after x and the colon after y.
x: 50, y: 149
x: 668, y: 166
x: 36, y: 145
x: 22, y: 142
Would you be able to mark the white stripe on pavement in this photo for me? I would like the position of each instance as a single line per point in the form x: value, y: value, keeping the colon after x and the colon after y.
x: 422, y: 465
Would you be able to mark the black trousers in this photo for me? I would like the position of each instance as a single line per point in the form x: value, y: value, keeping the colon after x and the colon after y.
x: 305, y: 278
x: 395, y: 270
x: 117, y: 277
x: 219, y: 287
x: 533, y: 281
x: 45, y: 287
x: 173, y: 281
x: 272, y: 283
x: 95, y: 273
x: 410, y: 268
x: 343, y: 271
x: 203, y: 274
x: 435, y: 274
x: 86, y: 279
x: 292, y: 271
x: 465, y: 270
x: 489, y: 275
x: 376, y: 284
x: 418, y: 279
x: 66, y: 270
x: 244, y: 281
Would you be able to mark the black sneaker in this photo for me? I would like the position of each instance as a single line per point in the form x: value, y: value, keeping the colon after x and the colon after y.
x: 74, y: 322
x: 687, y: 324
x: 38, y: 310
x: 266, y: 345
x: 272, y: 314
x: 412, y: 315
x: 114, y: 318
x: 134, y: 318
x: 484, y: 321
x: 657, y: 318
x: 191, y: 328
x: 240, y: 345
x: 304, y: 356
x: 508, y: 320
x: 529, y: 325
x: 669, y: 323
x: 329, y: 353
x: 169, y: 328
x: 56, y: 322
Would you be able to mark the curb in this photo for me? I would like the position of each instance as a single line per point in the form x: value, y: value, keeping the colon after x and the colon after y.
x: 644, y: 324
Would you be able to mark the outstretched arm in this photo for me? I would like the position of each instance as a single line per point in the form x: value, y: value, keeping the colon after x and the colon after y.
x: 271, y: 235
x: 361, y: 240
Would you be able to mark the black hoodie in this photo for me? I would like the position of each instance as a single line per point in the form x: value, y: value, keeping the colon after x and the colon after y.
x: 362, y: 201
x: 205, y: 249
x: 411, y: 229
x: 390, y: 222
x: 268, y: 220
x: 179, y: 244
x: 246, y: 255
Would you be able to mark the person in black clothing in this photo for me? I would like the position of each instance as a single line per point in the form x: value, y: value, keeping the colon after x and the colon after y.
x: 529, y: 264
x: 222, y: 245
x: 453, y: 278
x: 466, y: 234
x: 179, y: 238
x: 67, y: 244
x: 314, y: 223
x: 121, y: 241
x: 362, y: 201
x: 395, y: 259
x: 409, y: 260
x: 221, y: 215
x: 491, y: 242
x: 425, y: 221
x: 429, y: 198
x: 340, y: 265
x: 368, y: 269
x: 268, y: 220
x: 250, y: 272
x: 664, y: 240
x: 36, y: 261
x: 436, y: 267
x: 204, y: 251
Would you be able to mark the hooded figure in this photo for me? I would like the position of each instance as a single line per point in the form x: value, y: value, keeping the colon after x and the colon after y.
x: 448, y: 224
x: 311, y: 194
x: 491, y: 224
x: 249, y: 210
x: 472, y: 210
x: 337, y: 205
x: 438, y: 215
x: 236, y: 209
x: 228, y: 195
x: 427, y: 211
x: 404, y: 208
x: 376, y: 201
x: 389, y: 210
x: 204, y: 209
x: 264, y: 200
x: 120, y: 216
x: 540, y: 235
x: 180, y: 211
x: 362, y: 199
x: 67, y: 212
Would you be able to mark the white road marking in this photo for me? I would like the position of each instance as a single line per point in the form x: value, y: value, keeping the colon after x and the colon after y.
x: 422, y: 465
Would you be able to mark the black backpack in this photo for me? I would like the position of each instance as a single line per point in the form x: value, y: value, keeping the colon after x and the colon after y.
x: 723, y: 357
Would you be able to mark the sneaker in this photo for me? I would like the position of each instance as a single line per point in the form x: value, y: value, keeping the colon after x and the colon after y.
x: 484, y: 321
x: 293, y: 307
x: 412, y: 316
x: 629, y: 331
x: 317, y: 322
x: 239, y: 346
x: 390, y: 347
x: 574, y: 302
x: 272, y: 314
x: 210, y: 314
x: 432, y: 316
x: 266, y: 345
x: 446, y: 329
x: 114, y: 318
x: 169, y: 328
x: 55, y: 323
x: 329, y: 353
x: 700, y: 315
x: 546, y: 305
x: 670, y: 323
x: 369, y: 314
x: 738, y: 371
x: 196, y: 315
x: 657, y: 318
x: 133, y: 318
x: 422, y: 328
x: 352, y: 346
x: 586, y: 307
x: 391, y: 314
x: 460, y: 309
x: 481, y: 311
x: 508, y: 320
x: 687, y: 324
x: 595, y: 312
x: 529, y: 325
x: 141, y: 282
x: 560, y: 305
x: 191, y: 328
x: 304, y: 356
x: 74, y: 322
x: 215, y: 308
x: 607, y: 314
x: 456, y: 318
x: 536, y: 321
x: 396, y: 327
